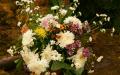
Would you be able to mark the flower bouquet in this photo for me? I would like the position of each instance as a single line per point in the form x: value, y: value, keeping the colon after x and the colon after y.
x: 51, y: 42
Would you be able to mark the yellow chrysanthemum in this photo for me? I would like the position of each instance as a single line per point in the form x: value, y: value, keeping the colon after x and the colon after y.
x: 41, y: 32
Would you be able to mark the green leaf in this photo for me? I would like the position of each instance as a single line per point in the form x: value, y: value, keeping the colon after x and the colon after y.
x: 54, y: 2
x: 67, y: 72
x: 56, y: 65
x: 19, y: 64
x: 79, y: 71
x: 73, y: 71
x: 17, y: 61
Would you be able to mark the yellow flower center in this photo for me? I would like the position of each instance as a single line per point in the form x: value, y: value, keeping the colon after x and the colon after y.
x: 41, y: 32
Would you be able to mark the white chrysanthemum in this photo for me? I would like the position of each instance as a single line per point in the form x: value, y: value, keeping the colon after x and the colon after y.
x: 75, y: 0
x: 33, y: 61
x: 90, y: 39
x: 113, y: 29
x: 90, y: 71
x: 52, y: 42
x: 75, y: 5
x: 18, y: 3
x: 38, y: 66
x: 19, y: 23
x: 103, y: 15
x: 73, y: 20
x: 57, y: 25
x: 54, y: 23
x: 50, y: 54
x: 65, y: 39
x: 37, y: 8
x: 47, y: 73
x: 103, y: 30
x: 80, y: 13
x: 27, y: 38
x: 94, y: 23
x: 55, y: 7
x: 97, y: 15
x: 100, y: 22
x: 79, y: 60
x: 38, y: 20
x: 63, y: 12
x: 108, y: 19
x: 72, y: 8
x: 53, y: 73
x: 46, y: 54
x: 27, y: 9
x: 56, y: 56
x: 56, y: 17
x: 99, y: 59
x: 28, y: 55
x: 27, y: 1
x: 10, y: 51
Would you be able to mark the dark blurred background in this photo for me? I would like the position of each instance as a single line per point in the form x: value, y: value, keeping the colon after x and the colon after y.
x: 89, y: 8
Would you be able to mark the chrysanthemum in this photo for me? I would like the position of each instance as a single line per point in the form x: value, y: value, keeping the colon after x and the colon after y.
x: 71, y: 47
x: 74, y: 21
x: 63, y: 12
x: 55, y: 7
x: 50, y: 54
x: 46, y: 54
x: 33, y: 61
x: 41, y: 32
x: 38, y: 66
x: 27, y: 1
x: 86, y: 52
x: 27, y: 38
x: 45, y: 21
x: 10, y: 51
x: 79, y: 60
x: 65, y: 38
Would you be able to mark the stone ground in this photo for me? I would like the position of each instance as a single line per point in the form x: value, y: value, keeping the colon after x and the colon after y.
x: 103, y: 45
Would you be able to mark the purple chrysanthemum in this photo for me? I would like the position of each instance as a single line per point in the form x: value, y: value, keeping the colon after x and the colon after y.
x: 70, y: 52
x: 71, y: 47
x: 77, y: 44
x: 86, y: 52
x: 75, y: 28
